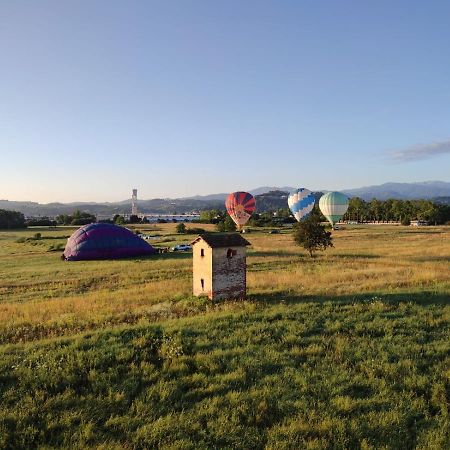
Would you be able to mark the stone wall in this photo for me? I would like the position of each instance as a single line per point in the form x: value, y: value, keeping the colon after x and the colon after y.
x: 229, y: 272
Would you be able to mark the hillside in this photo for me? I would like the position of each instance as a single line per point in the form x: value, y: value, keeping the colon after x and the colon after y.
x: 402, y: 191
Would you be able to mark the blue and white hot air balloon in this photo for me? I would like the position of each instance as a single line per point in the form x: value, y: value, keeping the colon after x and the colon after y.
x: 301, y: 203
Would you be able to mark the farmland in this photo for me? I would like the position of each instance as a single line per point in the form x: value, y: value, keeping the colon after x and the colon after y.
x: 347, y: 350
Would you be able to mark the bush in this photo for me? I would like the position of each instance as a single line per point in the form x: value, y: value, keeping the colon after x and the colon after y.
x: 406, y: 222
x: 56, y: 247
x: 181, y: 228
x: 43, y: 222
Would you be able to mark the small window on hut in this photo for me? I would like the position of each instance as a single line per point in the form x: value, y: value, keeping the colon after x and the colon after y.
x: 202, y: 252
x: 202, y: 281
x: 231, y: 253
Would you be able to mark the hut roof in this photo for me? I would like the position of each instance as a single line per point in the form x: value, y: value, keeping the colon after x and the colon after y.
x: 217, y: 240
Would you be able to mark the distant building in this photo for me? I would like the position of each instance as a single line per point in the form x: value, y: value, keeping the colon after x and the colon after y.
x: 219, y: 265
x: 134, y: 208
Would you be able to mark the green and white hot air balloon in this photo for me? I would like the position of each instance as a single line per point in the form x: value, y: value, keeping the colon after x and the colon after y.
x: 333, y: 206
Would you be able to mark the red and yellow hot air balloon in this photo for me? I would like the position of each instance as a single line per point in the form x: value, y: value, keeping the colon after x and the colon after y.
x: 240, y: 206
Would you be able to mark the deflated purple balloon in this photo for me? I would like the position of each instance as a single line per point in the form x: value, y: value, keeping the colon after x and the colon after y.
x: 105, y: 241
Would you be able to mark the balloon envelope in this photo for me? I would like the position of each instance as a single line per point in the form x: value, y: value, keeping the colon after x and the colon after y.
x: 240, y: 206
x: 333, y: 206
x: 105, y: 241
x: 301, y: 203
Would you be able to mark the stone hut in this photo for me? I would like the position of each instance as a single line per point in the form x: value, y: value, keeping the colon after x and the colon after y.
x: 219, y: 265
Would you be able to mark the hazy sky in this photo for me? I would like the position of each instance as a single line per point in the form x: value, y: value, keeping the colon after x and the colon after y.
x: 179, y: 98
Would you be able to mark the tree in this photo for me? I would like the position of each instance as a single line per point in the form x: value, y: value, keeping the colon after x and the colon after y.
x: 229, y: 224
x: 375, y: 209
x: 220, y: 226
x: 181, y: 228
x: 311, y: 235
x: 63, y: 219
x: 357, y: 210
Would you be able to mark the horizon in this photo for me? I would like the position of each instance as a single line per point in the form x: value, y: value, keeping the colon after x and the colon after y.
x: 215, y: 193
x: 188, y: 99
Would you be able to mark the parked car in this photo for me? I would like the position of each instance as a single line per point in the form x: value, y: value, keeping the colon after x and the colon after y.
x: 181, y: 248
x: 274, y: 232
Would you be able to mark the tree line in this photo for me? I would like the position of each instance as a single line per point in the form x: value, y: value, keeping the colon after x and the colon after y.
x: 15, y: 219
x: 76, y: 218
x: 359, y: 210
x: 397, y: 211
x: 11, y: 219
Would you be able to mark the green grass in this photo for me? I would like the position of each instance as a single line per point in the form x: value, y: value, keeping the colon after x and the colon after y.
x: 350, y: 350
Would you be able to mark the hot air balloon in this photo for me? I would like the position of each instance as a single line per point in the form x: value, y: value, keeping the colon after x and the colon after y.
x: 301, y: 203
x: 240, y: 206
x: 333, y: 206
x: 105, y: 241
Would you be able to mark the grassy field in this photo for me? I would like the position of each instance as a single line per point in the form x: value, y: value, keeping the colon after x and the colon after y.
x: 349, y: 350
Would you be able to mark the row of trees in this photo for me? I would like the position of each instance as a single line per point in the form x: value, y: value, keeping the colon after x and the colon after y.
x: 41, y: 222
x: 397, y: 210
x: 11, y: 219
x: 76, y: 218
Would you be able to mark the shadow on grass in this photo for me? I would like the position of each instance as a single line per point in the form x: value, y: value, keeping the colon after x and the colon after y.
x: 420, y: 298
x: 274, y: 253
x: 354, y: 256
x: 318, y: 256
x: 170, y: 256
x: 432, y: 258
x: 155, y: 257
x: 422, y: 231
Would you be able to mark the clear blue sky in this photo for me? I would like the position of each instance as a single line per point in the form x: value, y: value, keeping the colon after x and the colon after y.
x: 194, y: 97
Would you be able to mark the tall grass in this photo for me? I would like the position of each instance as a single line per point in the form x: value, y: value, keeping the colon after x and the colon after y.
x: 38, y: 289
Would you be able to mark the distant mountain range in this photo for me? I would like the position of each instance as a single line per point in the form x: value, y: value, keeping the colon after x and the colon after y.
x: 266, y: 198
x: 404, y: 191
